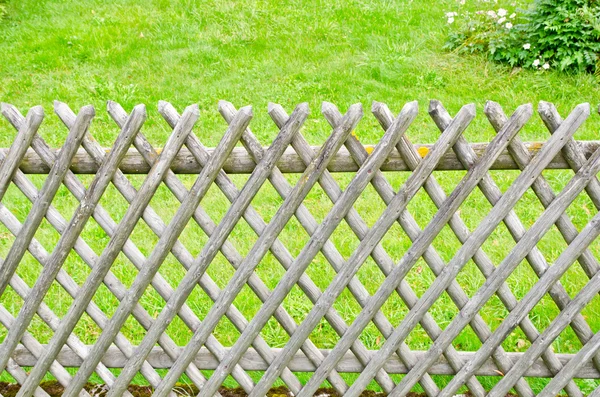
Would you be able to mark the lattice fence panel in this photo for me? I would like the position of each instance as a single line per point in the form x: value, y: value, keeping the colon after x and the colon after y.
x: 296, y: 264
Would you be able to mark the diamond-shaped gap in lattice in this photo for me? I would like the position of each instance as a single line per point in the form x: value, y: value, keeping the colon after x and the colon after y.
x: 370, y: 205
x: 226, y: 332
x: 6, y: 240
x: 522, y: 279
x: 178, y: 331
x: 470, y: 278
x: 16, y: 202
x: 113, y: 201
x: 12, y: 302
x: 498, y: 245
x: 47, y: 235
x: 29, y: 269
x: 220, y: 270
x: 443, y: 310
x: 65, y: 202
x: 87, y: 330
x: 420, y: 277
x: 574, y: 279
x: 294, y: 237
x: 95, y: 236
x: 493, y: 312
x: 396, y: 242
x: 370, y: 276
x: 344, y: 239
x: 320, y: 271
x: 371, y: 337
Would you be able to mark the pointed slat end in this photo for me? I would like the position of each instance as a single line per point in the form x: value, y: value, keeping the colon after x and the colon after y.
x: 271, y: 106
x: 37, y: 111
x: 544, y: 107
x: 162, y: 105
x: 246, y: 110
x: 140, y: 108
x: 303, y: 108
x: 356, y: 108
x: 193, y: 109
x: 327, y: 107
x: 435, y: 106
x: 470, y: 109
x: 491, y: 107
x: 223, y: 104
x: 410, y: 109
x: 274, y: 108
x: 111, y: 106
x: 88, y: 111
x: 584, y: 108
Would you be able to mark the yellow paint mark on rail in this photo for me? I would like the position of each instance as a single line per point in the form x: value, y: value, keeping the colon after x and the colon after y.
x: 423, y: 150
x: 369, y: 149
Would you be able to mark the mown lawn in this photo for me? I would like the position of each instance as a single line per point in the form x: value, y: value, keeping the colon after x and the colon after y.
x: 255, y: 52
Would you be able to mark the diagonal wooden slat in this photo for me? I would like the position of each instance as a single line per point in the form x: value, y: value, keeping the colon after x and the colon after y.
x: 213, y: 167
x: 22, y: 349
x: 359, y: 227
x: 394, y: 209
x: 512, y: 222
x: 82, y: 249
x: 498, y: 212
x: 260, y: 248
x: 166, y: 242
x: 113, y: 248
x: 340, y: 209
x: 257, y: 224
x: 71, y: 233
x: 17, y: 150
x: 51, y: 185
x: 239, y: 205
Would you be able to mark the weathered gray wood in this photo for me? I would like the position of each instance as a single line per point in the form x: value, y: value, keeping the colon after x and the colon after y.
x: 161, y: 250
x: 20, y: 145
x: 57, y: 221
x: 512, y: 222
x: 240, y: 162
x: 337, y: 261
x: 72, y: 232
x: 229, y: 220
x: 292, y: 202
x: 113, y: 248
x: 306, y: 219
x: 253, y: 361
x: 53, y: 182
x: 586, y: 353
x: 510, y: 197
x: 394, y: 209
x: 326, y: 227
x: 395, y: 356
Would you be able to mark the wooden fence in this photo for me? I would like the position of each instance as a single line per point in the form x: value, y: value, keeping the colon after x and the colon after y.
x: 207, y: 361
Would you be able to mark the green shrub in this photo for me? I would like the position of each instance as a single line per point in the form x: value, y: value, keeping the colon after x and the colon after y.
x: 561, y: 34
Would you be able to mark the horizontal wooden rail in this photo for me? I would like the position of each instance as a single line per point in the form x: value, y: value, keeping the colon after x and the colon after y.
x: 252, y: 361
x: 78, y: 272
x: 240, y: 162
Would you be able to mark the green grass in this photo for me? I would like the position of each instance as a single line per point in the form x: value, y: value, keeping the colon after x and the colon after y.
x: 253, y: 52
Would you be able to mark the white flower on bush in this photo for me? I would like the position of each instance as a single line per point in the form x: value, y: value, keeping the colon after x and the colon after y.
x: 512, y: 15
x: 492, y: 14
x: 536, y: 63
x: 451, y: 20
x: 527, y: 46
x: 509, y: 25
x: 501, y: 20
x: 502, y: 12
x: 546, y: 66
x: 451, y: 14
